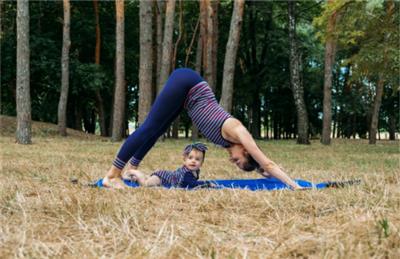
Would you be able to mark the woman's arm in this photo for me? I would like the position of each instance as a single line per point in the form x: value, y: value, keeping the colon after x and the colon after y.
x: 245, y: 138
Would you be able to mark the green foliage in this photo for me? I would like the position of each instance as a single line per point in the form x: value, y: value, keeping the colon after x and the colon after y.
x: 329, y: 8
x: 368, y: 26
x: 88, y: 77
x: 383, y: 224
x: 367, y: 39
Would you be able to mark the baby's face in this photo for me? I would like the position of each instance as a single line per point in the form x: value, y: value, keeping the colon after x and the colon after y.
x: 193, y: 160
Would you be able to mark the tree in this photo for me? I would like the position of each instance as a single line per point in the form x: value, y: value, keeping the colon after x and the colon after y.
x: 179, y: 36
x: 167, y: 43
x: 198, y: 63
x: 62, y: 105
x: 176, y: 123
x: 210, y: 9
x: 375, y: 109
x: 262, y: 93
x: 215, y: 41
x: 146, y: 57
x: 388, y: 19
x: 159, y: 10
x: 297, y: 87
x: 230, y: 56
x: 119, y: 95
x: 1, y: 38
x: 99, y: 98
x: 202, y: 36
x: 369, y: 32
x: 330, y: 49
x: 24, y: 127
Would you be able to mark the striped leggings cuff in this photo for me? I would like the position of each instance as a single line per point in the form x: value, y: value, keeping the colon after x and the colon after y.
x: 118, y: 163
x: 134, y: 161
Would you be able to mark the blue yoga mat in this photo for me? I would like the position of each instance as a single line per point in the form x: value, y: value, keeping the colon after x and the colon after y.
x: 248, y: 184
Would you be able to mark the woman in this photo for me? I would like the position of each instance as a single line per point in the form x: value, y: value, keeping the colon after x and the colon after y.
x: 186, y: 89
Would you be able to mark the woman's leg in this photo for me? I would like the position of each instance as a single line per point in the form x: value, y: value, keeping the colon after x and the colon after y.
x: 165, y: 109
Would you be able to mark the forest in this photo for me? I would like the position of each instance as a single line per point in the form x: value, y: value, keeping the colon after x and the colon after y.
x: 287, y: 69
x: 315, y: 82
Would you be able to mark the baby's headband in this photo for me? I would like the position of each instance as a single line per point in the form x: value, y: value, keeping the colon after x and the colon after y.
x: 198, y: 146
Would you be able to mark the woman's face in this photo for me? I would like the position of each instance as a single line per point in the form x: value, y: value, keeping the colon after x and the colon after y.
x: 237, y: 155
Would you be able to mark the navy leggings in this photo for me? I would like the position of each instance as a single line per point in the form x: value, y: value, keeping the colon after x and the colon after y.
x: 167, y: 106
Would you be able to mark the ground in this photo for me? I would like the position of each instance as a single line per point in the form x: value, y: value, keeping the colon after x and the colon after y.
x: 42, y: 214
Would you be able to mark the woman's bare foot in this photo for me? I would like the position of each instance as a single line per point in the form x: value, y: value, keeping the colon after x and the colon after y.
x: 113, y: 179
x: 114, y: 183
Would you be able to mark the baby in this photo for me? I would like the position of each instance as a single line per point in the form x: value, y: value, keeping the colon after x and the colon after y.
x: 186, y: 176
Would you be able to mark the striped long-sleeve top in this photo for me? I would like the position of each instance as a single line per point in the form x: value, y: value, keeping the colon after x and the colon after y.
x: 181, y: 177
x: 206, y: 113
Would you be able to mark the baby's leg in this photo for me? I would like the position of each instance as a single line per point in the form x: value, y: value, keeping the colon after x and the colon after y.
x: 153, y: 180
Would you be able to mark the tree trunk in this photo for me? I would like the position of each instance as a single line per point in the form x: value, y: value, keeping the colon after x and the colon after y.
x: 189, y: 49
x: 118, y: 129
x: 393, y: 108
x: 334, y: 123
x: 1, y: 33
x: 98, y: 97
x: 89, y: 121
x: 175, y: 125
x: 209, y: 69
x: 392, y: 126
x: 24, y: 124
x: 146, y: 54
x: 167, y: 43
x: 203, y: 35
x: 180, y: 32
x: 199, y: 55
x: 254, y: 65
x: 275, y: 125
x: 230, y: 56
x: 266, y: 127
x: 380, y: 85
x: 78, y: 115
x: 375, y: 111
x: 62, y: 104
x: 159, y: 38
x: 330, y: 50
x: 98, y: 33
x: 215, y: 37
x: 297, y: 87
x: 341, y: 117
x: 101, y: 113
x: 175, y: 128
x: 255, y: 123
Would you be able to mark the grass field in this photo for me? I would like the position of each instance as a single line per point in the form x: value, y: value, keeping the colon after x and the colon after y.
x: 42, y: 214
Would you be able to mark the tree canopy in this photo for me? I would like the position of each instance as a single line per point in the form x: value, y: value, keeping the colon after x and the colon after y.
x: 367, y: 34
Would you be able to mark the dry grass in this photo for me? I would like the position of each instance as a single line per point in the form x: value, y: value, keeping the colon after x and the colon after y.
x: 43, y: 215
